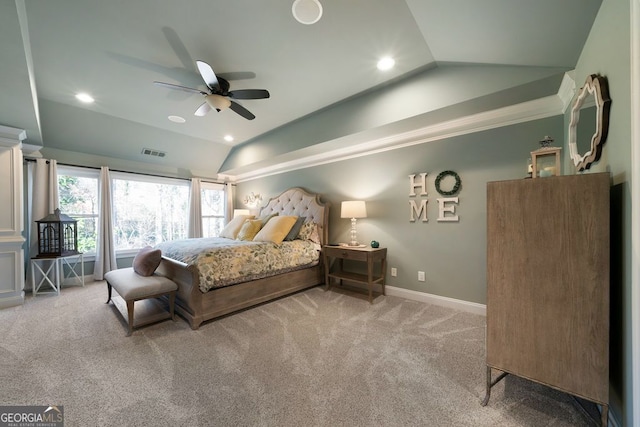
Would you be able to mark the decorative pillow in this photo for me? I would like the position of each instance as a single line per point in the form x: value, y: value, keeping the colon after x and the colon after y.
x: 249, y: 229
x: 230, y: 231
x: 146, y: 261
x: 276, y: 229
x: 309, y: 231
x: 293, y: 233
x: 305, y: 231
x: 266, y: 218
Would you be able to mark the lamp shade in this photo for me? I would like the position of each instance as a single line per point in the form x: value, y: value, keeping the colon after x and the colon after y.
x: 353, y: 209
x: 238, y: 212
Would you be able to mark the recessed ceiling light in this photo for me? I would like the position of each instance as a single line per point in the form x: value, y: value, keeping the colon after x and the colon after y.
x: 84, y: 97
x: 307, y: 11
x: 228, y: 138
x: 176, y: 119
x: 386, y: 63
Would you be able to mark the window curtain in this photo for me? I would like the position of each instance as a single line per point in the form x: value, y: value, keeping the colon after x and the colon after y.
x: 195, y: 210
x: 105, y: 246
x: 42, y: 199
x: 228, y: 190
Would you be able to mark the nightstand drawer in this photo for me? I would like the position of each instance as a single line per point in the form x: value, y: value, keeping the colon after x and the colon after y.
x: 344, y: 253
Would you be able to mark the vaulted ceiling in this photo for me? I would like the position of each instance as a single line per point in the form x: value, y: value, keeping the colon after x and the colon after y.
x: 116, y: 49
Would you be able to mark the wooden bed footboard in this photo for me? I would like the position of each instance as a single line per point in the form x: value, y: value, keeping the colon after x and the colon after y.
x: 197, y: 307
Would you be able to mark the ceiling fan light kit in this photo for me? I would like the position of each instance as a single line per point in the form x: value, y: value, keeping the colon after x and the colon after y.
x: 218, y: 102
x: 307, y: 11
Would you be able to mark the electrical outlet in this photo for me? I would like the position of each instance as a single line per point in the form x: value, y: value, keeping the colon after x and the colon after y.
x: 421, y: 276
x: 394, y: 272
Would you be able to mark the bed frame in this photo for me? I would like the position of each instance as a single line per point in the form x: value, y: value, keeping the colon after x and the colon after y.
x: 197, y: 306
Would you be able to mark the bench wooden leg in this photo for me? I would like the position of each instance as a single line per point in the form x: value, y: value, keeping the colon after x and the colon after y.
x: 130, y: 304
x: 109, y: 289
x: 172, y: 301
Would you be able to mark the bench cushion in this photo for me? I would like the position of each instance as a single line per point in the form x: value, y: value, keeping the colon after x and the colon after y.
x: 131, y: 286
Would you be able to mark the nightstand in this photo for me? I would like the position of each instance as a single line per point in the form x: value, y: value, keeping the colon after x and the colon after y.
x: 368, y: 255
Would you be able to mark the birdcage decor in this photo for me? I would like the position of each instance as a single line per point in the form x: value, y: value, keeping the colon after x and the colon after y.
x: 57, y: 235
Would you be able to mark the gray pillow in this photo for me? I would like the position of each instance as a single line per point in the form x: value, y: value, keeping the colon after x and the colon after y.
x: 295, y: 230
x: 146, y: 261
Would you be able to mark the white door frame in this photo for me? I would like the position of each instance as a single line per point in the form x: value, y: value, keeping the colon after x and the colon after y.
x: 635, y: 208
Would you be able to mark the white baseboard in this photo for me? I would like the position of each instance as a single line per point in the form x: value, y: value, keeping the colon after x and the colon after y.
x: 12, y: 301
x: 470, y: 307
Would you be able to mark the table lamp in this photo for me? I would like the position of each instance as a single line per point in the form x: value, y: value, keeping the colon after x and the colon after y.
x: 353, y: 209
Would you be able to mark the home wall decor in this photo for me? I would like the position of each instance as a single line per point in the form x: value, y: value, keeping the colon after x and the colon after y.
x: 419, y: 200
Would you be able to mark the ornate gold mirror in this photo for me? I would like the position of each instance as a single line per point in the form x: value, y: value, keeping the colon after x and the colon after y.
x: 589, y: 122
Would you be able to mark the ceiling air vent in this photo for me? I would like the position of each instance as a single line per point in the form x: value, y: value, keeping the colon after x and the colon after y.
x: 152, y: 152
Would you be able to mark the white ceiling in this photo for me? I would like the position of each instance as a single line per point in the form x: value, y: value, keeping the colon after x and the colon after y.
x: 115, y: 49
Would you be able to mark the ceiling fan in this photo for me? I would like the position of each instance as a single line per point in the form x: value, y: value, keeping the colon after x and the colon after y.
x: 219, y: 97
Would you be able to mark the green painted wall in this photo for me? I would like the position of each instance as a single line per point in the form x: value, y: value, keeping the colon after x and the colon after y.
x: 453, y: 255
x: 607, y: 52
x: 432, y: 96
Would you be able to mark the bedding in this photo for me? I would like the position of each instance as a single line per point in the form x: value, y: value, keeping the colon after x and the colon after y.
x: 223, y: 262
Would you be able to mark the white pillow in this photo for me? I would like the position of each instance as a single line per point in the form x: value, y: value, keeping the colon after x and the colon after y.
x: 230, y: 231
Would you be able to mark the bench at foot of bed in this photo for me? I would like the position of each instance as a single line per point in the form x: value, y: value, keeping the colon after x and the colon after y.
x: 145, y: 289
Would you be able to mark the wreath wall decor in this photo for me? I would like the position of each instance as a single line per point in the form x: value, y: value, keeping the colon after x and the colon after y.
x: 456, y: 186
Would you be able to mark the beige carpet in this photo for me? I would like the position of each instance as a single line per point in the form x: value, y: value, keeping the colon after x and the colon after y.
x: 312, y: 359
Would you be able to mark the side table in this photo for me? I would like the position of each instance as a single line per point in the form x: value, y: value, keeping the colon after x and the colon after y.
x: 367, y: 255
x: 51, y: 272
x: 73, y: 262
x: 49, y: 275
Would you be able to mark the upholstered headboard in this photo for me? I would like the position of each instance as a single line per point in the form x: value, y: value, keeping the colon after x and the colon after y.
x: 296, y: 201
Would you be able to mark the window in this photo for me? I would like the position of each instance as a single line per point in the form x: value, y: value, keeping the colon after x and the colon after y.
x: 213, y: 207
x: 78, y: 198
x: 148, y: 210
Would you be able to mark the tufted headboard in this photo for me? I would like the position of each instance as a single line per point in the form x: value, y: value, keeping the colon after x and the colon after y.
x: 296, y: 201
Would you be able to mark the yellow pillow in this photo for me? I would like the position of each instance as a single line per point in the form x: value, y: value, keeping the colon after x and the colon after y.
x: 230, y: 231
x: 249, y: 229
x: 266, y: 218
x: 276, y: 229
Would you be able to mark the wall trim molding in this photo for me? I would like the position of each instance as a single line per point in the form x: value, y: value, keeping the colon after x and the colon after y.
x: 541, y: 108
x: 469, y: 307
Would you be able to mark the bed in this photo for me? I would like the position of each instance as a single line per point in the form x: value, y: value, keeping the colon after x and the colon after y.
x: 197, y: 306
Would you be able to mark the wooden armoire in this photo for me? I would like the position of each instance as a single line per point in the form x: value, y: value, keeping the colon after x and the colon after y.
x: 548, y: 283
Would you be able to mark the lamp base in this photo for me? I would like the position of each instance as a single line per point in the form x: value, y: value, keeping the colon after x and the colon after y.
x: 349, y: 245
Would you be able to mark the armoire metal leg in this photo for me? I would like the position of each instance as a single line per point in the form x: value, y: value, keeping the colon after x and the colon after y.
x: 604, y: 416
x: 491, y: 383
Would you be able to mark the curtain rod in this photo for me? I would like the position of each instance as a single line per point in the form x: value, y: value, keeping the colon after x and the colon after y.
x: 30, y: 159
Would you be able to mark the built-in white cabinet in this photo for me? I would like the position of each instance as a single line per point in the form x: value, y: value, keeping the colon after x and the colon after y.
x: 11, y: 217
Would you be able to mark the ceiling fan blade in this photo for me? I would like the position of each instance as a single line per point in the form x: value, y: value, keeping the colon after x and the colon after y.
x: 237, y: 75
x: 241, y: 110
x: 208, y: 75
x: 249, y: 94
x: 202, y: 110
x: 182, y: 88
